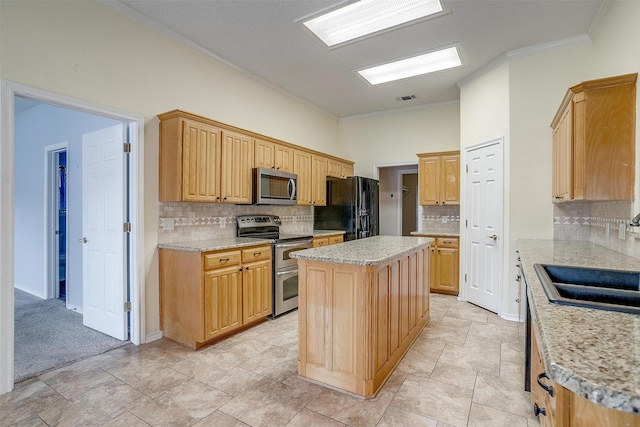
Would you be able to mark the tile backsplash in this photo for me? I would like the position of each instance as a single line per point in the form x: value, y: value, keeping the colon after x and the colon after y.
x: 604, y: 223
x: 440, y: 219
x: 181, y: 222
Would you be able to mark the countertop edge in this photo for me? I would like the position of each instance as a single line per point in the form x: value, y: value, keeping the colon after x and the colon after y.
x: 601, y: 394
x: 212, y: 245
x: 323, y: 233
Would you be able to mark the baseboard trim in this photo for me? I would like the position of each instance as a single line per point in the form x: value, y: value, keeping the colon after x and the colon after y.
x: 29, y: 291
x: 153, y: 337
x: 511, y: 317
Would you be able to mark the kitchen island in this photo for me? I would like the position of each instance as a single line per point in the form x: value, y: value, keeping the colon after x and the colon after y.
x: 591, y: 357
x: 361, y: 305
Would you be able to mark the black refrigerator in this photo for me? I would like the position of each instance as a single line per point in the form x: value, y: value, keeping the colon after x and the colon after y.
x: 352, y: 206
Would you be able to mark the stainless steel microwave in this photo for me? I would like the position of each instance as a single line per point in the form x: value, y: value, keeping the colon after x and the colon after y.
x: 272, y: 187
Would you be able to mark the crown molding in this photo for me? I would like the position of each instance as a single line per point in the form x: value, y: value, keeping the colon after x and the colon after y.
x: 402, y: 110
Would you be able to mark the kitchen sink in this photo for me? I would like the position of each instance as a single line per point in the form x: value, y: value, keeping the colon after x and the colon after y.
x: 614, y: 290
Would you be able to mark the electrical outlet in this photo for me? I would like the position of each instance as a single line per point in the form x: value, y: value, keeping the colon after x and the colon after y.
x: 223, y: 221
x: 192, y: 217
x: 607, y: 229
x: 622, y: 231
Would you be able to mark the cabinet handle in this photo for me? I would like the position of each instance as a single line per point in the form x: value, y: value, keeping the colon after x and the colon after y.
x: 437, y: 203
x: 224, y: 259
x: 447, y: 242
x: 443, y: 203
x: 257, y: 253
x: 224, y: 198
x: 518, y: 300
x: 518, y: 277
x: 246, y: 268
x: 218, y: 198
x: 547, y: 388
x: 538, y: 410
x: 557, y: 197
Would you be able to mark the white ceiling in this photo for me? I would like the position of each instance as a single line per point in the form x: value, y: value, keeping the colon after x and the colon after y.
x: 263, y: 38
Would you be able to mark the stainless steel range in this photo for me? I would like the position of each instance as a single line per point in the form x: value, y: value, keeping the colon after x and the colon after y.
x: 285, y: 268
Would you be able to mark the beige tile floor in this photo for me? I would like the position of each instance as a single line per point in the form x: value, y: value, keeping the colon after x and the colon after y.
x: 465, y: 369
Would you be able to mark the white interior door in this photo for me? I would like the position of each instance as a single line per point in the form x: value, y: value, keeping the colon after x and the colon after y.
x: 103, y: 215
x: 484, y: 206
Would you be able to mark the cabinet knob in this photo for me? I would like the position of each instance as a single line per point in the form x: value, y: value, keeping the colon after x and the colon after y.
x: 538, y: 410
x: 443, y: 203
x: 224, y: 198
x: 246, y: 268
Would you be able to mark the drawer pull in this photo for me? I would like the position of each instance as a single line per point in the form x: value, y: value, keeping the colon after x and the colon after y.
x: 538, y: 410
x: 547, y: 388
x: 257, y: 253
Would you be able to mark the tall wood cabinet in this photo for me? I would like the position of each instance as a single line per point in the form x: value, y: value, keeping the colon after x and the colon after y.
x: 312, y: 178
x: 202, y: 162
x: 594, y: 141
x: 206, y: 295
x: 439, y: 178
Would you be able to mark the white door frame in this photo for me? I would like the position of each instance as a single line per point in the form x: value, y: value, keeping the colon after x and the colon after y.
x: 50, y: 218
x: 464, y: 258
x: 8, y: 91
x: 409, y: 165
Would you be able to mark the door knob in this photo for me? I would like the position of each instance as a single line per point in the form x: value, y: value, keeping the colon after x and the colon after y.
x: 83, y: 240
x: 493, y: 236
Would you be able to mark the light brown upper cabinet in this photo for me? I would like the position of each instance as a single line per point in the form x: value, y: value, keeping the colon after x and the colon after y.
x: 274, y: 156
x: 339, y: 169
x: 594, y: 141
x: 439, y: 178
x: 201, y: 162
x: 312, y: 178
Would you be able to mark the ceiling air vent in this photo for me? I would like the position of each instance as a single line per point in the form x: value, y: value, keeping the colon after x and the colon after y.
x: 406, y: 98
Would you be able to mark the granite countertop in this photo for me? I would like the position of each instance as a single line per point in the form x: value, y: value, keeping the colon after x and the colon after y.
x: 434, y: 233
x: 323, y: 233
x: 370, y: 251
x: 594, y: 353
x: 215, y: 244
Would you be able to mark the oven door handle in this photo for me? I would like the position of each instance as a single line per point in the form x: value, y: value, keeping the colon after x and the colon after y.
x: 290, y: 245
x: 280, y: 273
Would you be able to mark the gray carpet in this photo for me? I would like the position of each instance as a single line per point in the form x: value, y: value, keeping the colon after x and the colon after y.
x: 49, y: 336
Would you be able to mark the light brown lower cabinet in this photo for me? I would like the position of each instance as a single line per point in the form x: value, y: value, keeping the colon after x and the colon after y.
x: 356, y: 321
x: 445, y: 261
x: 318, y: 242
x: 206, y: 295
x: 557, y: 406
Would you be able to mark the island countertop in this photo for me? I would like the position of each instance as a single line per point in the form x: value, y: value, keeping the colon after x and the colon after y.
x: 594, y: 353
x: 370, y: 251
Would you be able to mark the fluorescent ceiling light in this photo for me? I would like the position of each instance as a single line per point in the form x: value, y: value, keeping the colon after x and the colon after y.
x: 414, y: 66
x: 369, y: 16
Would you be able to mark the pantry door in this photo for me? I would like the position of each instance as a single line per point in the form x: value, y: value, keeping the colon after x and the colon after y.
x: 104, y: 276
x: 484, y: 209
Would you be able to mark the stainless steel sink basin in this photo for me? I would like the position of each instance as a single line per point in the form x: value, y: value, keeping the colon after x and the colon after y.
x: 615, y: 290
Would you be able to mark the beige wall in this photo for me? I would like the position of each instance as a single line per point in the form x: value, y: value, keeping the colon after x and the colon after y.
x: 86, y: 51
x: 397, y: 137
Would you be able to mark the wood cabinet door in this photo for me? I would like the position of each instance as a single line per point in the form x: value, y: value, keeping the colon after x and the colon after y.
x: 302, y: 167
x: 319, y: 180
x: 201, y: 149
x: 283, y: 158
x: 264, y: 154
x: 334, y: 168
x: 428, y: 180
x: 256, y: 291
x: 450, y: 180
x: 447, y: 260
x: 562, y: 176
x: 237, y: 165
x: 347, y: 170
x: 222, y: 301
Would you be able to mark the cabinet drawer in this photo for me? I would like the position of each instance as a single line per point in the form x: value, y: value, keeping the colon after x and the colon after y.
x: 221, y: 259
x: 256, y: 254
x: 447, y: 242
x: 320, y: 241
x: 336, y: 239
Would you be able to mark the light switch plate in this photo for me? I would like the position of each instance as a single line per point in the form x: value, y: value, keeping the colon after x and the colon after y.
x: 607, y: 229
x: 168, y: 224
x: 192, y: 217
x: 622, y: 231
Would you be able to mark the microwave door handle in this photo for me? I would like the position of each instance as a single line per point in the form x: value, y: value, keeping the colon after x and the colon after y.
x: 291, y: 189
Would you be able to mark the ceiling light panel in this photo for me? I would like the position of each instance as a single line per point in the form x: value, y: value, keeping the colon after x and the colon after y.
x: 414, y: 66
x: 367, y: 17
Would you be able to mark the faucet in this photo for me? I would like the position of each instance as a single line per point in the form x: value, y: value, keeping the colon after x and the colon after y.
x: 635, y: 222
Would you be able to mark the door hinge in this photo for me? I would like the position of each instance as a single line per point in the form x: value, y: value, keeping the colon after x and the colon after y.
x: 127, y: 227
x: 467, y: 168
x: 465, y: 277
x: 127, y: 306
x: 127, y: 147
x: 466, y: 223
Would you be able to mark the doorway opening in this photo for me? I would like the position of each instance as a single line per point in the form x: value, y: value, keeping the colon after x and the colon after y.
x: 400, y: 210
